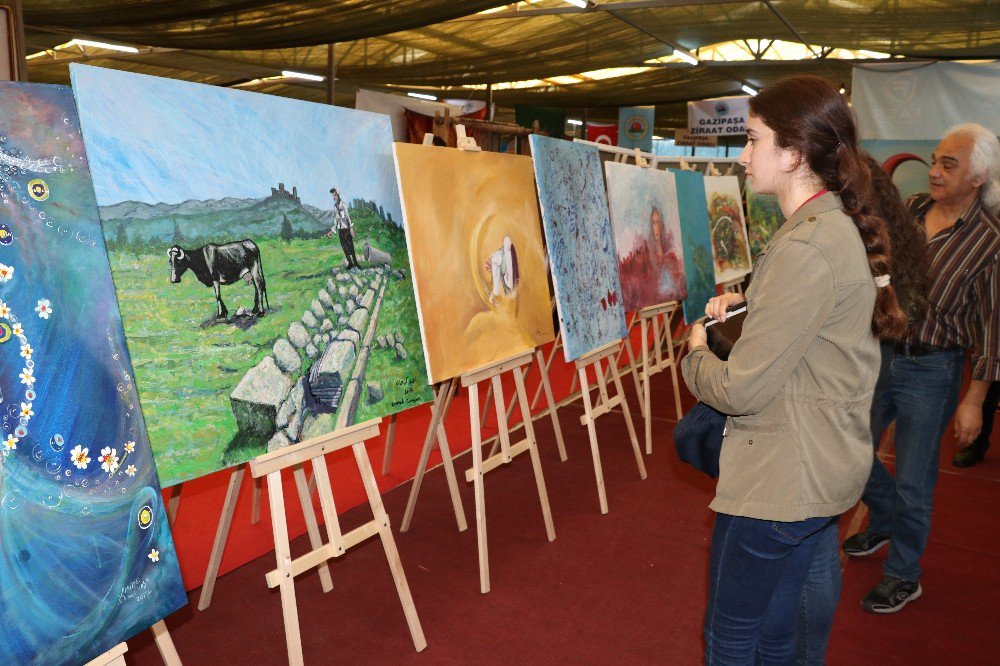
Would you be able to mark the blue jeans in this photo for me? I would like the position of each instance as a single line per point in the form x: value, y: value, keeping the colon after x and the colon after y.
x: 757, y: 571
x: 818, y: 599
x: 920, y: 396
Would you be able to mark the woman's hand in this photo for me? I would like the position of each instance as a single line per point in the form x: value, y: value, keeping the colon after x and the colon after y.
x: 697, y: 337
x: 716, y: 306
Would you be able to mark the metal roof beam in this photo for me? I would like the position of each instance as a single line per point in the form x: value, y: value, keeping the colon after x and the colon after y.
x: 606, y: 7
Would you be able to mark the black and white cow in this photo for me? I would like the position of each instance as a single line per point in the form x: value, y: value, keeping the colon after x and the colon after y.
x: 215, y: 265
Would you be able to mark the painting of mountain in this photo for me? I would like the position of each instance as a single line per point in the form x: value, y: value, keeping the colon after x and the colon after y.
x: 260, y: 264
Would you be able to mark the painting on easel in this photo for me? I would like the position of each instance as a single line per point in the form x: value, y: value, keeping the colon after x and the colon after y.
x: 729, y: 230
x: 476, y: 249
x: 695, y: 232
x: 764, y: 217
x: 257, y: 249
x: 581, y: 244
x: 86, y: 555
x: 645, y: 218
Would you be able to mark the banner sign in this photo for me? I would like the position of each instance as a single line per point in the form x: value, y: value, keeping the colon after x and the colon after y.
x: 683, y: 137
x: 896, y: 101
x: 726, y: 116
x: 635, y: 127
x: 606, y: 133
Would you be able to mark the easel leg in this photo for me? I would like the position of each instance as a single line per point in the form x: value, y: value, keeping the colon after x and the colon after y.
x: 389, y: 545
x: 628, y: 422
x: 389, y: 437
x: 502, y: 426
x: 221, y: 534
x: 592, y: 432
x: 437, y: 411
x: 545, y: 369
x: 165, y: 644
x: 449, y: 465
x: 174, y: 503
x: 477, y: 481
x: 637, y: 372
x: 255, y: 505
x: 312, y: 527
x: 553, y: 414
x: 536, y: 462
x: 673, y: 372
x: 283, y: 555
x: 645, y: 399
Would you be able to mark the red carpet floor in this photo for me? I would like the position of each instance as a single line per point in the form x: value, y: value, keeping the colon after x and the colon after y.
x: 627, y: 587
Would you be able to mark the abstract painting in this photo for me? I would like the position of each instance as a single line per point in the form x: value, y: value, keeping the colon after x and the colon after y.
x: 477, y: 255
x: 730, y: 246
x: 763, y: 219
x: 698, y: 265
x: 258, y: 253
x: 646, y: 222
x: 86, y: 556
x: 580, y: 243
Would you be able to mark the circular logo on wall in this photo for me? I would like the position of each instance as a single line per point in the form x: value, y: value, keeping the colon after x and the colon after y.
x: 38, y: 190
x: 636, y: 128
x: 722, y: 108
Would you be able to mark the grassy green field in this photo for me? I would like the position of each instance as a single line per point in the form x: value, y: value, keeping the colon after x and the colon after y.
x: 185, y: 371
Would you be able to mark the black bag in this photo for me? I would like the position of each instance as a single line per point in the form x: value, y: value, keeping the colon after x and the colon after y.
x: 698, y: 438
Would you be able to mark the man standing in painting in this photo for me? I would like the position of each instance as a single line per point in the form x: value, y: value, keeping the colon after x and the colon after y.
x: 959, y: 217
x: 344, y: 227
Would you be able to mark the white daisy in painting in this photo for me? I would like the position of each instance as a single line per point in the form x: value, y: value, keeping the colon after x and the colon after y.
x: 26, y: 409
x: 10, y: 443
x: 108, y: 459
x: 129, y: 447
x: 154, y: 555
x: 6, y: 273
x: 26, y: 350
x: 131, y: 470
x: 44, y: 308
x: 27, y: 377
x: 80, y: 456
x: 17, y: 329
x: 4, y: 310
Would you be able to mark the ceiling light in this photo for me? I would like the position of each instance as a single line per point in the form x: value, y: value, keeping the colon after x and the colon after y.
x: 102, y: 45
x: 582, y: 4
x: 685, y: 56
x: 288, y: 74
x: 423, y: 96
x: 749, y: 90
x: 574, y: 121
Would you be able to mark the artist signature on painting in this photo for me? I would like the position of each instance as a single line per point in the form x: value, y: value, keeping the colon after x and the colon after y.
x: 410, y: 392
x: 137, y: 590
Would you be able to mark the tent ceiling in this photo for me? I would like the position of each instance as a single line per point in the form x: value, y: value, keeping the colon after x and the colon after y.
x: 430, y: 44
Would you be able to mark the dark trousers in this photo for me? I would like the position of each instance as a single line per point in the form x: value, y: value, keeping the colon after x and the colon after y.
x: 989, y: 411
x: 347, y: 243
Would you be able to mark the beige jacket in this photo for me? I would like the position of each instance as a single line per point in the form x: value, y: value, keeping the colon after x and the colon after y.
x: 800, y: 378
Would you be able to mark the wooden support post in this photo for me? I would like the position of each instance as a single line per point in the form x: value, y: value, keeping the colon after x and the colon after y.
x: 165, y: 644
x: 270, y: 465
x: 443, y: 395
x: 258, y: 485
x: 655, y: 329
x: 113, y: 657
x: 174, y: 503
x: 607, y: 404
x: 390, y: 436
x: 471, y: 380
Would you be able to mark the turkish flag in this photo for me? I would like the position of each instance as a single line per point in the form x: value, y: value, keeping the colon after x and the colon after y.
x: 603, y: 133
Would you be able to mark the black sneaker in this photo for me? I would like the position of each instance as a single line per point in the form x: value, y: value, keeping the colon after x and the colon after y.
x: 891, y: 595
x: 864, y: 543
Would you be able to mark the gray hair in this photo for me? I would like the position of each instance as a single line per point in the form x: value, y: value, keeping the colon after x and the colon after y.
x: 984, y: 160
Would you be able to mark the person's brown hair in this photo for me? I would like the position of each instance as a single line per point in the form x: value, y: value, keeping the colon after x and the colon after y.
x: 809, y: 115
x: 910, y: 277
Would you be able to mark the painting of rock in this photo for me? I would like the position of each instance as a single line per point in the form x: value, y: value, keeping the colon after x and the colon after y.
x: 646, y: 222
x: 763, y: 219
x: 730, y: 246
x: 258, y: 254
x: 477, y: 256
x: 86, y: 555
x: 698, y: 264
x: 580, y: 244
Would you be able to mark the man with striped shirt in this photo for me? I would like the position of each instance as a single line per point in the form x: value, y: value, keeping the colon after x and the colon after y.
x: 960, y: 218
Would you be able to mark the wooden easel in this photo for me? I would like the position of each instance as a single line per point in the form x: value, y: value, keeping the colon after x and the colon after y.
x: 337, y: 543
x: 659, y: 316
x: 734, y: 286
x: 508, y: 451
x: 605, y: 404
x: 113, y: 657
x: 443, y: 395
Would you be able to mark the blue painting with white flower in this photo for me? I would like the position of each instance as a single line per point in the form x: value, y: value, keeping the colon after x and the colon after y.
x: 86, y: 556
x: 580, y: 243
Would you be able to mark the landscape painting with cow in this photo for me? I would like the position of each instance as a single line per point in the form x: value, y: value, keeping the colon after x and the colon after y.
x: 259, y: 262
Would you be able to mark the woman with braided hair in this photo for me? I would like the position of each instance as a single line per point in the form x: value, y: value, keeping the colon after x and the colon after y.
x: 798, y: 383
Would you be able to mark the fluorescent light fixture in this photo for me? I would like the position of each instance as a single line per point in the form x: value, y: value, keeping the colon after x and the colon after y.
x: 657, y: 138
x: 423, y: 96
x: 686, y: 57
x: 749, y: 90
x: 582, y: 4
x: 289, y: 74
x: 103, y: 45
x: 574, y: 121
